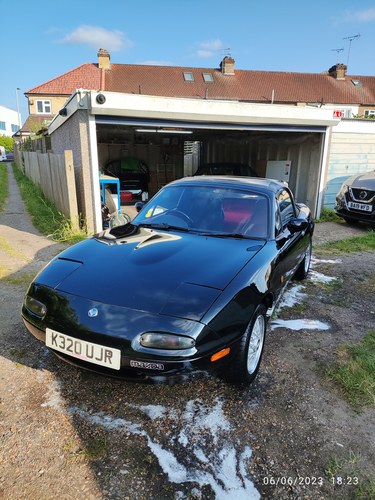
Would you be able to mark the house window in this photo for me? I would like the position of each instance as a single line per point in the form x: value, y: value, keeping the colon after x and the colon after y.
x: 208, y: 77
x: 14, y: 127
x: 43, y: 107
x: 357, y: 83
x: 369, y: 112
x: 2, y: 125
x: 188, y: 76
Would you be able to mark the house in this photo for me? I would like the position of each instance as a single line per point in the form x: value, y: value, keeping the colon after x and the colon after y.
x: 112, y: 114
x: 10, y: 121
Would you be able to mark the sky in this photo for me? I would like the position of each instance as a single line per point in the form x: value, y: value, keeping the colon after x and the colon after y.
x: 44, y: 39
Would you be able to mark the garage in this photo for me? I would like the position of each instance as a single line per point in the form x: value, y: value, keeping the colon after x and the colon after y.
x: 169, y: 137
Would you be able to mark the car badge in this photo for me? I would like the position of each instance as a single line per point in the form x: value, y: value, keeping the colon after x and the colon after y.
x: 363, y: 195
x: 93, y: 312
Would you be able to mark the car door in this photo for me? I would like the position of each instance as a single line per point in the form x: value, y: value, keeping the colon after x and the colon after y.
x: 288, y: 244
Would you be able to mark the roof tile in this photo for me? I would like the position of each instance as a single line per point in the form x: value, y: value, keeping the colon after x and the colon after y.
x: 244, y: 85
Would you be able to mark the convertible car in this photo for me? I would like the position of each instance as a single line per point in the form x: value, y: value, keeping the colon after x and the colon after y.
x: 190, y: 282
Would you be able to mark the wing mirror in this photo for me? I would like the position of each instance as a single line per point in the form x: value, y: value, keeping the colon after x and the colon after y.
x: 296, y: 225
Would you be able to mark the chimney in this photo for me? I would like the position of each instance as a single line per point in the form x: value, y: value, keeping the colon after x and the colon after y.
x: 104, y: 59
x: 227, y: 65
x: 338, y: 71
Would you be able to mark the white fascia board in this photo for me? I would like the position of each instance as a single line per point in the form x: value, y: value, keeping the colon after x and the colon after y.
x: 356, y: 126
x: 206, y: 110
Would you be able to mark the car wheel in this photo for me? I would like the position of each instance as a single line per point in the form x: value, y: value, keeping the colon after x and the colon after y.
x: 304, y: 267
x: 245, y: 365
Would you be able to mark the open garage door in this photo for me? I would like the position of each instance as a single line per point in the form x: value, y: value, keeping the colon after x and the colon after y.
x: 160, y: 145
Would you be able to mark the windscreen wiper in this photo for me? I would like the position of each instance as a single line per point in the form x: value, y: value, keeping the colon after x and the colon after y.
x: 226, y: 235
x: 163, y: 225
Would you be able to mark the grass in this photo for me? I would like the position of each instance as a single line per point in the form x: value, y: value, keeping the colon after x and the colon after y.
x: 3, y: 185
x: 96, y: 448
x: 354, y: 371
x: 45, y: 216
x: 328, y: 215
x: 349, y: 470
x: 350, y: 245
x: 336, y: 465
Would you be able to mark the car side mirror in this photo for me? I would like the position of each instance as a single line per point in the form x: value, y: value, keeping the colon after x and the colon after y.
x: 296, y: 225
x: 139, y: 205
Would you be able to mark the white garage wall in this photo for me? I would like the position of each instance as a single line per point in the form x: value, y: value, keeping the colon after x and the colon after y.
x: 352, y: 151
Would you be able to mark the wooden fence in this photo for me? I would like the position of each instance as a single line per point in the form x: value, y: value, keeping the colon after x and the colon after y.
x: 54, y: 174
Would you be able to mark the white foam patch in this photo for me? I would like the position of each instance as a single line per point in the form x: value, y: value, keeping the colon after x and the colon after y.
x: 220, y: 466
x: 320, y: 278
x: 315, y: 261
x: 152, y: 411
x: 53, y: 397
x: 292, y: 296
x: 299, y: 324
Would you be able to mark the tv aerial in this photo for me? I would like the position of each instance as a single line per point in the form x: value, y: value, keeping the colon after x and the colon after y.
x: 350, y: 38
x: 338, y: 52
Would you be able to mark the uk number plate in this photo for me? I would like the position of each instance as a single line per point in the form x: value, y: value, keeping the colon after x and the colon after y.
x: 81, y: 349
x: 360, y: 206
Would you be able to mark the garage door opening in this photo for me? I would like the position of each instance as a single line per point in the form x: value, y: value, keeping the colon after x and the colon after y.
x: 168, y: 152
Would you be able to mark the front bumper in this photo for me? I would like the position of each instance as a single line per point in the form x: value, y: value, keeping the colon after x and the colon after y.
x: 140, y: 364
x: 354, y: 215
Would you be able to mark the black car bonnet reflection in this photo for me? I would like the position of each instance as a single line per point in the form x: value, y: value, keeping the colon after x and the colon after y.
x: 149, y: 268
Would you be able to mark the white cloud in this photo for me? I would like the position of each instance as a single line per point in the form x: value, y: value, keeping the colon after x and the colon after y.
x: 209, y: 48
x: 365, y: 16
x: 358, y: 16
x: 97, y: 37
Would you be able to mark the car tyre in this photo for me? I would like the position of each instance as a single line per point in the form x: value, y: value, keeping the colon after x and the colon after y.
x: 304, y: 267
x: 245, y: 365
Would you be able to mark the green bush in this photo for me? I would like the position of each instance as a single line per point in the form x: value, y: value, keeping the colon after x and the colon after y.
x: 328, y: 215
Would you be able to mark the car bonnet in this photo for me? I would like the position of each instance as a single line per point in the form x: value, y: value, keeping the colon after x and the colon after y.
x: 155, y: 271
x: 364, y: 181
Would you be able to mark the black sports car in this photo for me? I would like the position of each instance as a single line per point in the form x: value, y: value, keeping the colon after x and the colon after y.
x: 355, y: 201
x: 189, y: 282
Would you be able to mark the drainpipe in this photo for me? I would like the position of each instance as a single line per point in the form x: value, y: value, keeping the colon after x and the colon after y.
x: 323, y: 172
x: 95, y: 188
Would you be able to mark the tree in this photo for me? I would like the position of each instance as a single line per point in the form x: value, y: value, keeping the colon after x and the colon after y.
x: 7, y: 142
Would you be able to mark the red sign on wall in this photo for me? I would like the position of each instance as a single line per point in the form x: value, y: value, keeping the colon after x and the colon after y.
x: 337, y: 113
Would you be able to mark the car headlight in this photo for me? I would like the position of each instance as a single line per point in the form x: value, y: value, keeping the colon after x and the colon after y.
x: 157, y: 340
x: 344, y: 188
x: 35, y: 306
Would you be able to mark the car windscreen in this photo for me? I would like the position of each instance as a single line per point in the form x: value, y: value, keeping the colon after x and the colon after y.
x: 210, y: 210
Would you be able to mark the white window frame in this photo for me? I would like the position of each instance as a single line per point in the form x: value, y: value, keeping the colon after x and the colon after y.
x: 369, y: 112
x: 45, y: 103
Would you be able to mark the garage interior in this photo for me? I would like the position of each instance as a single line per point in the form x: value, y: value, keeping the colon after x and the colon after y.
x: 167, y: 150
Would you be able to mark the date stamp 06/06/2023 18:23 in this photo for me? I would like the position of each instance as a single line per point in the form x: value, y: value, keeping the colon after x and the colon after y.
x: 310, y: 480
